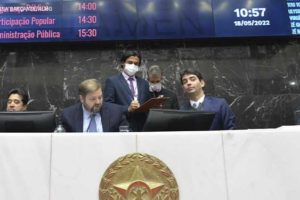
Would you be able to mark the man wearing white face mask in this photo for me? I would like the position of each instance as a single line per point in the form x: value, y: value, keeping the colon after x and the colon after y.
x: 155, y: 78
x: 129, y: 90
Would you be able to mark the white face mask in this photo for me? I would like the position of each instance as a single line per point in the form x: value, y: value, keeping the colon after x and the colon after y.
x: 131, y: 69
x: 155, y: 87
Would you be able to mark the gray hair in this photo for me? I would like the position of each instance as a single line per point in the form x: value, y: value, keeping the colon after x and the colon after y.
x: 154, y: 70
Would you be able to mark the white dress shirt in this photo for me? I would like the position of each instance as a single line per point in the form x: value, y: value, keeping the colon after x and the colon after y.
x: 195, y: 104
x: 87, y: 120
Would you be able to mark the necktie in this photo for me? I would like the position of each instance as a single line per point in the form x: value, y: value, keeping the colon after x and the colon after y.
x: 199, y: 107
x: 92, y: 126
x: 194, y: 105
x: 131, y: 86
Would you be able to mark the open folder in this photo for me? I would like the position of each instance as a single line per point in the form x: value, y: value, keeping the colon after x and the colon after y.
x: 152, y: 103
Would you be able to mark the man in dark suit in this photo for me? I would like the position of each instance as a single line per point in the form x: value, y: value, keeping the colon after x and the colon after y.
x: 193, y: 83
x: 156, y: 89
x: 129, y: 90
x: 92, y: 114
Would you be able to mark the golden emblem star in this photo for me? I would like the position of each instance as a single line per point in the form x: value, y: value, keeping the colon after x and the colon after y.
x: 137, y: 187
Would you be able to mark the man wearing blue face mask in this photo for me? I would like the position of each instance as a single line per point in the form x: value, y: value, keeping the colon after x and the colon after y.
x: 129, y: 90
x: 156, y: 89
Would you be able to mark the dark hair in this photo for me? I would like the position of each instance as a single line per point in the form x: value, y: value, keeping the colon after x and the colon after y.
x: 21, y: 93
x: 130, y: 53
x: 190, y: 71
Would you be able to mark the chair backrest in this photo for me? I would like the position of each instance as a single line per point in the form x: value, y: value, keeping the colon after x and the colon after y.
x: 297, y: 117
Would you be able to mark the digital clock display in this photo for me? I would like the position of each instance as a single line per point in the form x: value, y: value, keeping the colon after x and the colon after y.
x: 253, y: 12
x: 258, y: 18
x: 97, y: 20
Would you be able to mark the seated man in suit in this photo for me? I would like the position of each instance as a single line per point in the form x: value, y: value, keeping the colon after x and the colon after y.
x: 92, y: 114
x: 129, y: 90
x: 156, y: 89
x: 17, y: 100
x: 193, y: 83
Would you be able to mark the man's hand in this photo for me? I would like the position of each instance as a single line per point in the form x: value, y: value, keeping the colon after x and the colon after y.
x: 133, y: 106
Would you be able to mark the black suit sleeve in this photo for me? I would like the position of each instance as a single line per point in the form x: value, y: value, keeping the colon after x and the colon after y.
x: 65, y: 122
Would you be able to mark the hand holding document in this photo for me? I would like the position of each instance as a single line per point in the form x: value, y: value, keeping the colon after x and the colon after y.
x: 134, y: 105
x: 152, y: 103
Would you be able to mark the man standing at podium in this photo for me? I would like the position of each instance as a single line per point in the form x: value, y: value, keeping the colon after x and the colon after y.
x: 129, y: 90
x: 193, y: 84
x: 92, y: 114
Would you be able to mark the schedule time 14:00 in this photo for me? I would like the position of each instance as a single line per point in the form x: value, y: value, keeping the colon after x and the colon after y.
x: 87, y: 20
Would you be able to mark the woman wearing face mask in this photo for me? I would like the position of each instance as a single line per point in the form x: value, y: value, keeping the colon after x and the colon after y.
x: 155, y: 87
x: 129, y: 90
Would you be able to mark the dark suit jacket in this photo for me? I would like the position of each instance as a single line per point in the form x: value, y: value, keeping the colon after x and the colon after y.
x: 224, y: 118
x: 172, y: 102
x: 117, y: 91
x: 112, y: 117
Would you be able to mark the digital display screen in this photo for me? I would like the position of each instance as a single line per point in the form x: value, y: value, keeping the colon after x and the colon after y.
x: 251, y: 18
x: 100, y: 20
x: 174, y: 19
x: 294, y: 13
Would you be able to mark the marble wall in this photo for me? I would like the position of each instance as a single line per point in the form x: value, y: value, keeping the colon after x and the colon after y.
x: 260, y: 78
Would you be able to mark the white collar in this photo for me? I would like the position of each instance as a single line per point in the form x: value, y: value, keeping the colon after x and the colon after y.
x: 197, y: 102
x: 127, y: 77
